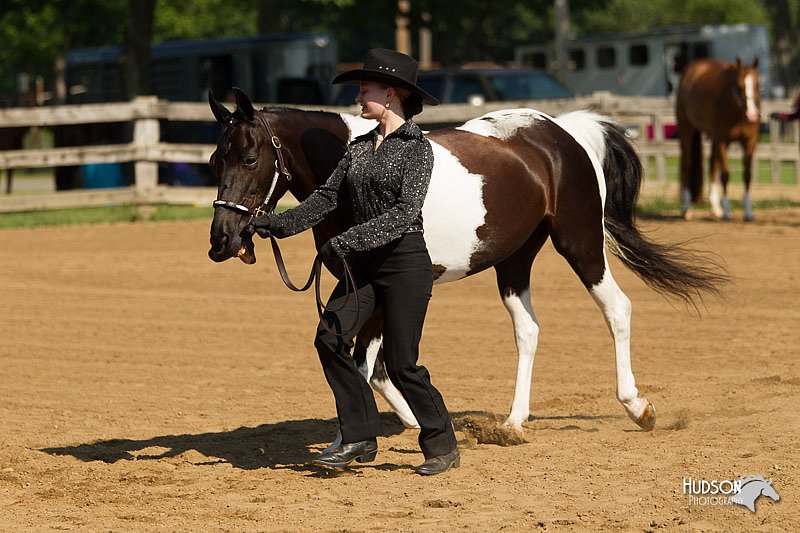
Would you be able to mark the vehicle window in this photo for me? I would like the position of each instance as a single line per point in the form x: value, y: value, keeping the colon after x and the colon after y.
x: 638, y: 55
x: 299, y: 91
x: 433, y: 85
x: 346, y: 95
x: 701, y: 49
x: 577, y: 59
x: 606, y: 57
x: 527, y: 86
x: 464, y: 87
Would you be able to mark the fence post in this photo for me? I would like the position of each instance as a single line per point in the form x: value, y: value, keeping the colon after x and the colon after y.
x: 661, y: 160
x: 774, y: 139
x: 146, y: 134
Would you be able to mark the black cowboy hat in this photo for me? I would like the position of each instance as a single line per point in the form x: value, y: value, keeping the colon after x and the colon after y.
x: 388, y: 67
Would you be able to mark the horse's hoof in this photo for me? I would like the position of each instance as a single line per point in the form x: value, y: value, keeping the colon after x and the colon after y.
x: 647, y: 420
x: 688, y: 215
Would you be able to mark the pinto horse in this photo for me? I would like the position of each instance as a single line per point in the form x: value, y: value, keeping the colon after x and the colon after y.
x: 501, y: 185
x: 722, y: 100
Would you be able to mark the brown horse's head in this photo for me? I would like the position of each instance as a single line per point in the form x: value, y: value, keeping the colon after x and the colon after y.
x: 244, y: 164
x: 747, y: 90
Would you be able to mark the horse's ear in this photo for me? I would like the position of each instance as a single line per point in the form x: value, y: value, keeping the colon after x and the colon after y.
x: 755, y: 62
x: 243, y: 103
x: 738, y: 62
x: 221, y: 113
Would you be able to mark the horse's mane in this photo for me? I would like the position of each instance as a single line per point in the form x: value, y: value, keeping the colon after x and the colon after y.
x: 283, y: 110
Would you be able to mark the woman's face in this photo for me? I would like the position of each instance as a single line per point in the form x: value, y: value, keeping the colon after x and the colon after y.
x: 372, y: 98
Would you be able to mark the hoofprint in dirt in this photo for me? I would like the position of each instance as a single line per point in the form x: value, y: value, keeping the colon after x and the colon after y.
x: 147, y: 389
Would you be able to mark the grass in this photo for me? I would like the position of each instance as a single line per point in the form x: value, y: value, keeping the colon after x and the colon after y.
x: 103, y: 215
x: 130, y: 213
x: 660, y: 206
x: 762, y: 171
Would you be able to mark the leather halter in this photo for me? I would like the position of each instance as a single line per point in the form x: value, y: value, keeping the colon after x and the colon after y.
x: 316, y: 267
x: 280, y: 170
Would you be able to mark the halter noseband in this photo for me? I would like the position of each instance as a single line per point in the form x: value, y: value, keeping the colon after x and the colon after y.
x: 280, y: 170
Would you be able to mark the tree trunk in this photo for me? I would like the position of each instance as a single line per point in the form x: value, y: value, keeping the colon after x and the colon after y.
x: 787, y: 46
x: 136, y: 50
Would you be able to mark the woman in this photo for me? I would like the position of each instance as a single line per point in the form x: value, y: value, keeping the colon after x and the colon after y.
x: 384, y: 175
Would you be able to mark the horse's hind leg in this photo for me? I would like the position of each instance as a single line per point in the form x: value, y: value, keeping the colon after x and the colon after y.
x: 584, y: 248
x: 513, y: 281
x: 749, y: 147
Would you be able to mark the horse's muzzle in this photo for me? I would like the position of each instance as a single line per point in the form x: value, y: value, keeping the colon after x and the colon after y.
x: 224, y: 248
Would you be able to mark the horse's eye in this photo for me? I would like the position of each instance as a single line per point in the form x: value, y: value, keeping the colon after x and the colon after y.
x: 250, y: 161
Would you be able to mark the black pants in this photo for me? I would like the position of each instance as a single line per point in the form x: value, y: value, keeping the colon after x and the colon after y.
x: 398, y: 279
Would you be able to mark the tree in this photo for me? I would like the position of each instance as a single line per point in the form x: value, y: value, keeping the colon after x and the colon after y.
x: 35, y: 33
x: 136, y: 50
x: 785, y: 17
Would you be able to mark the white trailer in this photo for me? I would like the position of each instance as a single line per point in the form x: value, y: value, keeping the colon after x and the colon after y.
x: 649, y: 64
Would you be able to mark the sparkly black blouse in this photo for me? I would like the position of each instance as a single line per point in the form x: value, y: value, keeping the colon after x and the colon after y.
x: 386, y: 188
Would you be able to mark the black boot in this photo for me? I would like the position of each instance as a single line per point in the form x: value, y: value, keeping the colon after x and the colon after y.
x: 363, y: 452
x: 439, y: 464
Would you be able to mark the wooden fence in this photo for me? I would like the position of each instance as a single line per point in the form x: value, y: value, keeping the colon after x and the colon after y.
x: 146, y: 150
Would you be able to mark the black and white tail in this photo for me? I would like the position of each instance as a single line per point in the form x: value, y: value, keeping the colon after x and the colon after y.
x: 670, y: 269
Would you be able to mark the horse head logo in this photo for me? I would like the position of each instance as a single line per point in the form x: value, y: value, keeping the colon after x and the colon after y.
x: 752, y: 488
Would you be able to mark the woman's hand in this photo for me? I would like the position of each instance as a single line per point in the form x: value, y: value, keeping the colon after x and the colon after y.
x: 264, y: 225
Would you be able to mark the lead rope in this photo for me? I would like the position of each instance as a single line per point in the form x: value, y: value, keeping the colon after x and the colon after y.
x: 314, y: 276
x: 316, y: 267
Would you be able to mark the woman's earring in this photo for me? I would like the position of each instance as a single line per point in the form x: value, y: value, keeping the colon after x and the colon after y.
x: 387, y: 105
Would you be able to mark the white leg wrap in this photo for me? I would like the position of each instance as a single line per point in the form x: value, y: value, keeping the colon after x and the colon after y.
x: 686, y: 202
x: 726, y: 208
x: 714, y: 199
x: 748, y: 207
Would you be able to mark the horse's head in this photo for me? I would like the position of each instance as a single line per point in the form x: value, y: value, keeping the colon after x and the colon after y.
x: 244, y: 163
x: 747, y: 89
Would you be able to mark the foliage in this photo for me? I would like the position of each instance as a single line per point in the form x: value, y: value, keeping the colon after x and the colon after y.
x: 209, y: 18
x: 631, y: 16
x: 35, y: 32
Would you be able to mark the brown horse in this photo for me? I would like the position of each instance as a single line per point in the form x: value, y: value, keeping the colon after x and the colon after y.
x: 501, y: 185
x: 722, y: 100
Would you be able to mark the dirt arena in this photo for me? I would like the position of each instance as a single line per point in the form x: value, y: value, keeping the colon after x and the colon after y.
x: 145, y: 388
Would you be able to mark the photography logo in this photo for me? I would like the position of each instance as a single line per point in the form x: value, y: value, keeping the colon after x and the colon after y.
x: 744, y: 491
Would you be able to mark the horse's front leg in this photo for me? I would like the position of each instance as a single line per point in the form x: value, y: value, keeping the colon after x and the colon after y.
x: 513, y: 282
x: 718, y: 188
x: 526, y: 336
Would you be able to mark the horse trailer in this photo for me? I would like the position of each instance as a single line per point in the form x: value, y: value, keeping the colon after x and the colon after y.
x: 650, y: 64
x: 290, y: 68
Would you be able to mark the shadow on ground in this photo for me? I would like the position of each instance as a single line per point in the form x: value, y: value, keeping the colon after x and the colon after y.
x: 278, y: 445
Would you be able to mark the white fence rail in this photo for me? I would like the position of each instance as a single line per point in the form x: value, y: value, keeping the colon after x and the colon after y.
x: 146, y: 150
